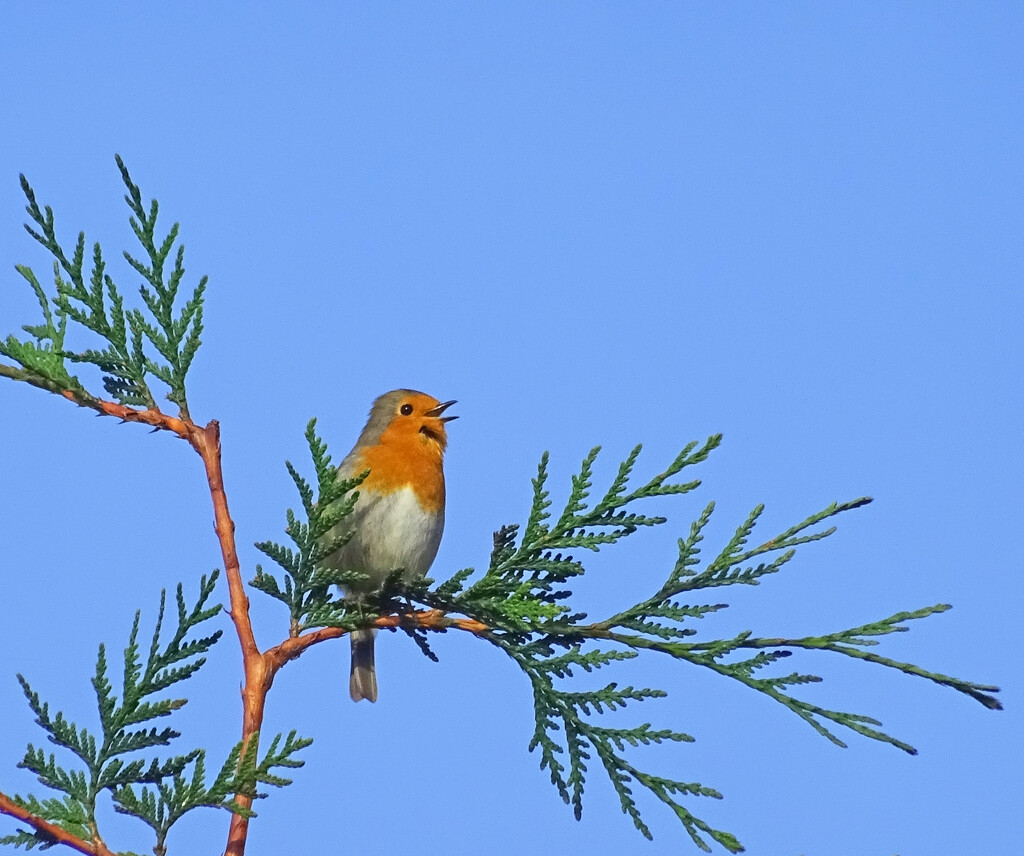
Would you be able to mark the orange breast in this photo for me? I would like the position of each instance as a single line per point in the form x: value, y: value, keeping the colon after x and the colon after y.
x: 414, y: 462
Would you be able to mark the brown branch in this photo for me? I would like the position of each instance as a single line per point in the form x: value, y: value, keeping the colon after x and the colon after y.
x: 153, y: 418
x: 52, y: 832
x: 206, y: 442
x: 430, y: 619
x: 259, y: 668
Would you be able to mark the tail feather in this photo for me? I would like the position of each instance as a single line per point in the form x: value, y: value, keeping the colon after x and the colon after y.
x: 362, y: 681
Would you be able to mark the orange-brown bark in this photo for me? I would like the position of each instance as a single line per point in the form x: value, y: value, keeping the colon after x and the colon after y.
x: 431, y: 619
x: 206, y: 441
x: 58, y: 835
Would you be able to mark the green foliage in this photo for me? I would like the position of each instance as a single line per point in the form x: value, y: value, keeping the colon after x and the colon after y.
x: 241, y: 774
x: 42, y: 359
x: 305, y: 587
x: 90, y: 298
x: 522, y: 589
x: 103, y: 757
x: 156, y: 790
x: 524, y: 595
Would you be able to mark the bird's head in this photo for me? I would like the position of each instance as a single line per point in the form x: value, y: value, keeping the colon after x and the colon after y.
x: 405, y: 415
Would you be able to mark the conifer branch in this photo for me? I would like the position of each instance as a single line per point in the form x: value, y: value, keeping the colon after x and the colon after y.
x: 521, y: 605
x: 107, y: 761
x: 92, y: 300
x: 89, y: 298
x: 44, y: 832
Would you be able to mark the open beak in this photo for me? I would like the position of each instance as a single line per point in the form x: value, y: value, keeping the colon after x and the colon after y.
x: 436, y: 412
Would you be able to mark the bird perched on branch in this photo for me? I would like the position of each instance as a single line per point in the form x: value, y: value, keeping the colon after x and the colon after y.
x: 399, y: 516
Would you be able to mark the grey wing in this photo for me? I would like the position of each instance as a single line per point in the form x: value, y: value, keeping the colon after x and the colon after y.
x: 352, y: 555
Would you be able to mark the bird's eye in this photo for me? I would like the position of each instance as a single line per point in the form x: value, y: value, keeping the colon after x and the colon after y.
x: 406, y: 409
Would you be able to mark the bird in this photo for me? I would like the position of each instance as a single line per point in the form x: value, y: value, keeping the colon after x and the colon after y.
x: 398, y: 517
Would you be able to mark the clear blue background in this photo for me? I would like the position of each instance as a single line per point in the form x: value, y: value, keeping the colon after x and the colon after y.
x: 796, y: 223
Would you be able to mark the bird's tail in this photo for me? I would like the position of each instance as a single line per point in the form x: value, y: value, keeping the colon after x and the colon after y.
x: 362, y: 682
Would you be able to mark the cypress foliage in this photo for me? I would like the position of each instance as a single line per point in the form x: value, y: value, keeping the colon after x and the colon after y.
x: 156, y: 790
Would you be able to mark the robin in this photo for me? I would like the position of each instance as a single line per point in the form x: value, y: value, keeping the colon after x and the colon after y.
x: 399, y: 516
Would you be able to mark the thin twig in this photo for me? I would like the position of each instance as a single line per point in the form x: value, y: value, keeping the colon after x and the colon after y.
x: 430, y: 619
x: 51, y: 831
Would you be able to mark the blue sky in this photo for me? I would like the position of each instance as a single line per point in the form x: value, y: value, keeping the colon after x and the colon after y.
x: 798, y: 224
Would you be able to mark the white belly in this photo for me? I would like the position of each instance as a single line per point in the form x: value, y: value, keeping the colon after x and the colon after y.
x: 391, y: 531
